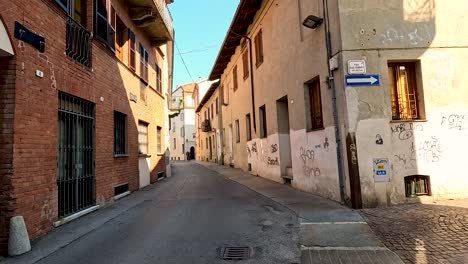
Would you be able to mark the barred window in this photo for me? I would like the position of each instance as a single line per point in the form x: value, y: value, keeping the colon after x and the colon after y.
x: 247, y: 127
x: 405, y: 101
x: 159, y: 139
x: 263, y: 122
x: 120, y: 133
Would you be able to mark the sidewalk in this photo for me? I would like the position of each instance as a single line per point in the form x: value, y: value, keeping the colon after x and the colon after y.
x: 330, y: 233
x: 64, y: 235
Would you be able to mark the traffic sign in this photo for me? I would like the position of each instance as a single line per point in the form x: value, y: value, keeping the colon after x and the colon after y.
x: 362, y: 80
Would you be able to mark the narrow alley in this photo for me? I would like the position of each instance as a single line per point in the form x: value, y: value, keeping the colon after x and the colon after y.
x: 193, y: 216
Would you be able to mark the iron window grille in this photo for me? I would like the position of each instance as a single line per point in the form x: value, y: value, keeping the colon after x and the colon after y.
x: 417, y: 185
x: 120, y: 133
x: 76, y: 154
x: 405, y: 104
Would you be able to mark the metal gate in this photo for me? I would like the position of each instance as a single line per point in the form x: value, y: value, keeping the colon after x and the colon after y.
x: 75, y: 179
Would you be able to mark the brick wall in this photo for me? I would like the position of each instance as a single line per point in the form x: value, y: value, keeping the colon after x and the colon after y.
x: 7, y: 109
x: 34, y: 153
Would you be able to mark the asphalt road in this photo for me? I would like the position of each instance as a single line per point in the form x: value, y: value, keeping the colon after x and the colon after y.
x: 188, y: 218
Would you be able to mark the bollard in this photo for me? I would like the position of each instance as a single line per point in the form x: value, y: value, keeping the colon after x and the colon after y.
x: 18, y: 242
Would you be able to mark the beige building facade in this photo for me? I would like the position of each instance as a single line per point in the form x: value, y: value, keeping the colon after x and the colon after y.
x: 366, y: 107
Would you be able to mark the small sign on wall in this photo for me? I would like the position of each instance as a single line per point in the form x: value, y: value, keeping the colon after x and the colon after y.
x: 381, y: 172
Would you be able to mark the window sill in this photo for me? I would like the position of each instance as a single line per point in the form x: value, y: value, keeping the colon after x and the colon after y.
x: 121, y: 155
x: 408, y: 120
x: 315, y: 129
x: 160, y: 154
x: 144, y: 155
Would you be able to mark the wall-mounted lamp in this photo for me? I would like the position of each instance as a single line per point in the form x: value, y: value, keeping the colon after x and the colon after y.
x: 312, y: 21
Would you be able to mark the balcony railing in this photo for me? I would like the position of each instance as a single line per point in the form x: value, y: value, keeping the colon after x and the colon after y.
x: 206, y: 125
x: 78, y: 43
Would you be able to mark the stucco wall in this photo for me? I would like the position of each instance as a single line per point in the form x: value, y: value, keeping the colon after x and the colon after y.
x: 297, y: 58
x: 431, y: 33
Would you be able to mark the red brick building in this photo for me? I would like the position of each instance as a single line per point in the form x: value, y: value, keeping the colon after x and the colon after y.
x: 82, y: 105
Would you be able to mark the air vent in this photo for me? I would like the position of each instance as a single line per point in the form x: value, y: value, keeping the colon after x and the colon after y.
x: 120, y: 189
x: 235, y: 253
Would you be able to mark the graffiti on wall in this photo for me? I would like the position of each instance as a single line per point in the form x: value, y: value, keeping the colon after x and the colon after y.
x: 429, y: 151
x: 273, y: 161
x: 274, y: 148
x: 378, y: 139
x: 415, y: 36
x: 308, y: 157
x: 406, y: 131
x: 455, y: 121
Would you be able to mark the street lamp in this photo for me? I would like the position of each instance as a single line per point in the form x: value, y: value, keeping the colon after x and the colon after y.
x: 312, y: 21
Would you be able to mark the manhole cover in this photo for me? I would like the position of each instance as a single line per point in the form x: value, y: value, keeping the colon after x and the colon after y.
x: 235, y: 253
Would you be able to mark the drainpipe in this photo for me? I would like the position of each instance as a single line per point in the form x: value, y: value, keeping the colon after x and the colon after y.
x: 251, y: 78
x: 331, y: 85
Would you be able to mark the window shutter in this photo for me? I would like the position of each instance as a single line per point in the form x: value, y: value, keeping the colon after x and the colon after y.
x: 110, y: 37
x: 131, y: 47
x: 101, y: 23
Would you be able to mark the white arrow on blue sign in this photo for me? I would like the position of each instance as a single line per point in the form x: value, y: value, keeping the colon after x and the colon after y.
x: 362, y: 80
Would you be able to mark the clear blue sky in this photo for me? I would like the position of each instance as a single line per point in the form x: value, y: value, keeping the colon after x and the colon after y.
x: 200, y: 28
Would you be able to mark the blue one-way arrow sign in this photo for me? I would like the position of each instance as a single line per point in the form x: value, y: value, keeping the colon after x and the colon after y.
x: 362, y: 80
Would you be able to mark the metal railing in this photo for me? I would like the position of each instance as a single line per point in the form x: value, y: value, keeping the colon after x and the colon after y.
x: 166, y: 15
x: 78, y: 43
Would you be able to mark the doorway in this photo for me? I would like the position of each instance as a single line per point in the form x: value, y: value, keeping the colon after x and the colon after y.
x: 76, y: 179
x: 210, y: 145
x: 284, y: 140
x: 192, y: 153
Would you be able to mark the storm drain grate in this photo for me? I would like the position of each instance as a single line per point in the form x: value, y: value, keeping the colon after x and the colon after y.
x: 235, y: 253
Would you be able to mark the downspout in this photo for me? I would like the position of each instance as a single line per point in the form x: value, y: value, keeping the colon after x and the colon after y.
x: 251, y: 79
x: 331, y: 85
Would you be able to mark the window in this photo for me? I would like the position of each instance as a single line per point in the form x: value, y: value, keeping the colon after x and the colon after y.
x: 245, y: 63
x: 217, y: 105
x: 263, y: 123
x: 247, y: 127
x: 120, y: 133
x: 402, y: 78
x: 182, y: 132
x: 74, y: 8
x: 417, y: 185
x: 205, y: 115
x: 120, y: 32
x: 131, y: 49
x: 209, y: 113
x: 258, y: 48
x: 142, y: 137
x: 103, y: 30
x: 206, y: 143
x: 212, y: 112
x: 234, y: 77
x: 237, y: 131
x: 143, y: 63
x: 175, y: 144
x: 158, y: 78
x: 315, y: 105
x: 224, y: 137
x: 159, y: 139
x: 183, y: 147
